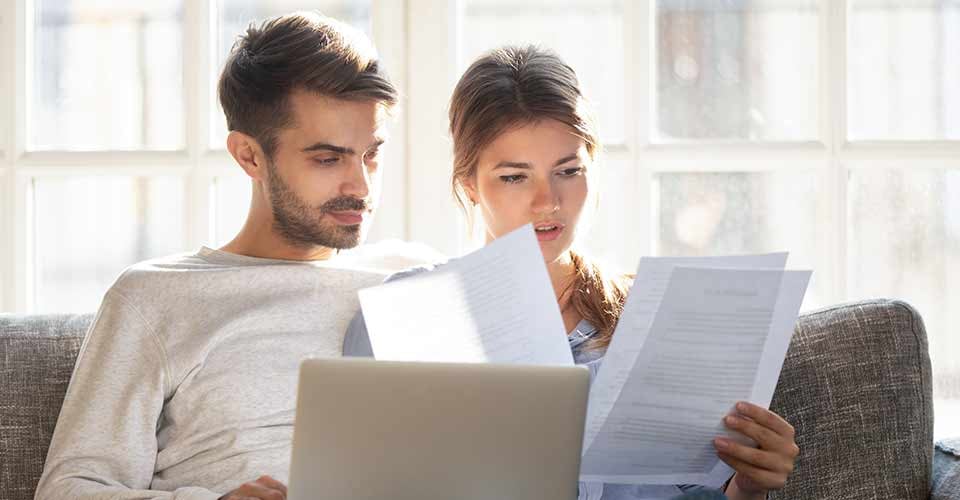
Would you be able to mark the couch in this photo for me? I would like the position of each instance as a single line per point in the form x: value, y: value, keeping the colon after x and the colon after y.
x: 856, y: 385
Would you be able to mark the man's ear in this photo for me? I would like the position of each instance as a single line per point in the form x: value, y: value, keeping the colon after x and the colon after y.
x: 248, y: 154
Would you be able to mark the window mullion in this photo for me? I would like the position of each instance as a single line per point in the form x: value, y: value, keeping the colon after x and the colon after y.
x: 17, y: 250
x: 431, y: 77
x: 390, y: 36
x: 198, y: 39
x: 7, y: 100
x: 834, y: 113
x: 640, y: 65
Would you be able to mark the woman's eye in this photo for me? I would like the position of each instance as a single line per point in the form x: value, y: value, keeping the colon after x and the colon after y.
x: 512, y: 179
x: 571, y: 171
x: 371, y: 155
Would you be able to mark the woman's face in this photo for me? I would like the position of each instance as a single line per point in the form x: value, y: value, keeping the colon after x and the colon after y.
x: 534, y: 173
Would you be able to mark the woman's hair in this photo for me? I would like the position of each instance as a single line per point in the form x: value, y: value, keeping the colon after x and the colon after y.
x: 515, y: 86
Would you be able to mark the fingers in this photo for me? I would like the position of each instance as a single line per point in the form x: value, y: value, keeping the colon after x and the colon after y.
x: 765, y: 479
x: 764, y: 437
x: 264, y: 488
x: 752, y: 426
x: 757, y: 458
x: 273, y: 483
x: 260, y: 492
x: 766, y: 418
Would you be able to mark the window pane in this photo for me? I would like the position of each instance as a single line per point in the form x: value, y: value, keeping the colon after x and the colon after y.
x: 234, y: 16
x: 231, y: 205
x: 88, y: 229
x: 744, y: 71
x: 904, y: 242
x: 605, y: 223
x: 587, y: 34
x: 747, y: 212
x: 6, y: 68
x: 107, y: 76
x: 904, y: 70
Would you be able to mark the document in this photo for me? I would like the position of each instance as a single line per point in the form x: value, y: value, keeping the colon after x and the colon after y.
x: 652, y: 278
x: 716, y: 336
x: 495, y: 305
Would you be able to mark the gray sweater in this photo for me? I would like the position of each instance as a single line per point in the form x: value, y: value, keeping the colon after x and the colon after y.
x: 185, y: 386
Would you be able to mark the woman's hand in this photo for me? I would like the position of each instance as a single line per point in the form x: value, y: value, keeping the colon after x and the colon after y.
x: 762, y: 469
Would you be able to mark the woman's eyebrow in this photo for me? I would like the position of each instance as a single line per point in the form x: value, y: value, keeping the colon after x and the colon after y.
x: 520, y: 164
x: 565, y: 159
x: 512, y: 164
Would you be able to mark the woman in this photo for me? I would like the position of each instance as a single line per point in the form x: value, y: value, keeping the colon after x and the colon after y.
x: 524, y: 149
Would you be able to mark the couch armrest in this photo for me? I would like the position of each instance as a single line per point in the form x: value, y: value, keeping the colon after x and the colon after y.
x: 946, y: 470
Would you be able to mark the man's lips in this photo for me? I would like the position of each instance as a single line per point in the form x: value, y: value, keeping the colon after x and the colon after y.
x: 347, y: 217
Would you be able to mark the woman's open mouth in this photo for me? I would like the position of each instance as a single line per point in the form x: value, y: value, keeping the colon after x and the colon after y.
x: 548, y: 231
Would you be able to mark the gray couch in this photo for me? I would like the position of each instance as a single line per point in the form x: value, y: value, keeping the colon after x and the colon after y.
x: 855, y: 385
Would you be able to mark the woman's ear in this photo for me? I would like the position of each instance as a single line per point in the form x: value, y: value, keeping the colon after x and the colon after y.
x: 248, y: 154
x: 470, y: 188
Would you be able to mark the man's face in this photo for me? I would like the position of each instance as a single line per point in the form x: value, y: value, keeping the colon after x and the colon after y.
x: 324, y: 179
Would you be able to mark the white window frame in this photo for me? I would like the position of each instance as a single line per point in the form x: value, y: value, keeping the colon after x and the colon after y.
x: 197, y: 164
x: 422, y: 57
x: 833, y: 155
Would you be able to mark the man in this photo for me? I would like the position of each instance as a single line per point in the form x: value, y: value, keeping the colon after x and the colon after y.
x: 185, y: 386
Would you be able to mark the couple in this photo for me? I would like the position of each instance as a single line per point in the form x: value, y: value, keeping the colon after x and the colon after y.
x: 185, y: 386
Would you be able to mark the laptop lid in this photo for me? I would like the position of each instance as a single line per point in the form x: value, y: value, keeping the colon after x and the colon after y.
x: 380, y: 430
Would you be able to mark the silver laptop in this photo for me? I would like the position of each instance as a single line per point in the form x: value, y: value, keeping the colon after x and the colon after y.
x: 384, y: 430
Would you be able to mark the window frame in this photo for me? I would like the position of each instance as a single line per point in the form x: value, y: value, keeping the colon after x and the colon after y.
x: 197, y: 164
x: 427, y: 82
x: 423, y: 59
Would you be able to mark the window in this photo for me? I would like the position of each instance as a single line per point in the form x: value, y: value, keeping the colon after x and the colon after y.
x: 827, y: 128
x: 736, y: 71
x: 588, y: 34
x: 107, y: 75
x: 89, y: 228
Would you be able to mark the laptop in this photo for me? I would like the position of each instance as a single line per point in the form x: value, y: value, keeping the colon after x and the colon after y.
x: 382, y: 430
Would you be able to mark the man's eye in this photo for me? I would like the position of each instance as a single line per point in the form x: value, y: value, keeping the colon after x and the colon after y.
x: 512, y: 179
x: 328, y: 161
x: 373, y: 154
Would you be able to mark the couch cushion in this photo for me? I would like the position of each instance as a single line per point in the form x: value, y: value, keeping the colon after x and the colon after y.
x: 855, y: 384
x: 38, y: 354
x: 946, y: 470
x: 856, y: 387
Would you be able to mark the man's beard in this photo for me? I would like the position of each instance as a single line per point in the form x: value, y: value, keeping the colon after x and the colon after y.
x: 303, y: 225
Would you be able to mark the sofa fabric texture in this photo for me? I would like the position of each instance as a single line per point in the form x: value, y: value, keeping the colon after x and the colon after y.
x: 946, y: 470
x: 856, y: 386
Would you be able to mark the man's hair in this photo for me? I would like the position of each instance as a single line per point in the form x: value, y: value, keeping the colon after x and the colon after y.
x: 304, y: 50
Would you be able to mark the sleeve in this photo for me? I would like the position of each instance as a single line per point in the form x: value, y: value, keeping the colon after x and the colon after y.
x: 105, y: 442
x: 356, y: 342
x: 696, y: 491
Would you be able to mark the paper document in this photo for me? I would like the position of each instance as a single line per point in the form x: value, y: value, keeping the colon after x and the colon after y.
x: 653, y: 276
x: 494, y: 305
x: 714, y: 337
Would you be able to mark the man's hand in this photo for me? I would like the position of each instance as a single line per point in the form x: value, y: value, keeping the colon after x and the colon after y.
x: 762, y: 469
x: 265, y: 488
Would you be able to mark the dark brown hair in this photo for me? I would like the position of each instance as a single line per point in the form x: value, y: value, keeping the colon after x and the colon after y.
x: 305, y: 51
x: 513, y: 86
